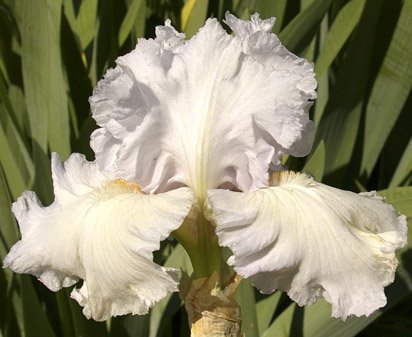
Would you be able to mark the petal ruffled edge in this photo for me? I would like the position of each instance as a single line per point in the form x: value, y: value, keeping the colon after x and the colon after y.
x: 102, y: 231
x: 312, y: 241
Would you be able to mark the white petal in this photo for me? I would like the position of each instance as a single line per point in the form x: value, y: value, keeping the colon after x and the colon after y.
x: 206, y: 112
x: 312, y: 240
x: 102, y: 231
x: 294, y: 86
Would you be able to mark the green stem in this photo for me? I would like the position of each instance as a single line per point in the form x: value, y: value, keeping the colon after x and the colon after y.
x: 208, y: 250
x: 201, y: 244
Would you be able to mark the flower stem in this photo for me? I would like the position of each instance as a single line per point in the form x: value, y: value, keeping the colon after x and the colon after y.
x: 197, y: 236
x: 209, y: 252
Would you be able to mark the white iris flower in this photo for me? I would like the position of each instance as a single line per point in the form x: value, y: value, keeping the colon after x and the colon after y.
x: 189, y: 133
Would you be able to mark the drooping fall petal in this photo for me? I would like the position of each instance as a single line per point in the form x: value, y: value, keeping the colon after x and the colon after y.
x: 100, y: 230
x: 312, y: 241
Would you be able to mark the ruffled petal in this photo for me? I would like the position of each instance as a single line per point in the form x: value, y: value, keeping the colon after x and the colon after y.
x: 312, y: 241
x: 102, y: 231
x: 294, y: 92
x: 204, y: 113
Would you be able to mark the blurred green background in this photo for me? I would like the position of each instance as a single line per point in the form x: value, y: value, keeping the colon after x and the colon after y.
x: 52, y: 53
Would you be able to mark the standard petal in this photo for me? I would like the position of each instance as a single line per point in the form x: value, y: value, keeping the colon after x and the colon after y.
x: 294, y: 91
x: 206, y: 112
x: 102, y: 231
x: 312, y: 241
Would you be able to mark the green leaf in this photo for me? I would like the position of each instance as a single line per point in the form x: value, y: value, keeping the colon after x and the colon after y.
x: 15, y: 137
x: 323, y: 81
x: 44, y: 84
x: 339, y: 32
x: 105, y: 46
x: 129, y: 326
x: 139, y: 27
x: 42, y: 179
x: 8, y: 236
x: 129, y: 20
x: 390, y: 90
x: 16, y: 96
x: 63, y: 306
x: 299, y: 33
x: 36, y: 323
x: 316, y: 162
x: 404, y: 169
x: 86, y: 22
x: 281, y: 327
x: 83, y: 326
x: 162, y: 313
x: 194, y: 14
x: 245, y: 296
x: 15, y: 177
x: 4, y: 99
x: 80, y: 87
x: 265, y: 310
x: 401, y: 199
x: 8, y: 227
x: 340, y: 121
x: 70, y: 15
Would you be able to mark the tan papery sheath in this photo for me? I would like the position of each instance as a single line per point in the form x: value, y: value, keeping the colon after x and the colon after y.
x: 212, y: 312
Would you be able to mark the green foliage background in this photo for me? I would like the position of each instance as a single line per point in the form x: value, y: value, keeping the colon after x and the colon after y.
x: 52, y: 52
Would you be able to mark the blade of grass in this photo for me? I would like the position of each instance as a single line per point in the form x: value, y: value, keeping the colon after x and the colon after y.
x: 14, y: 133
x: 163, y: 312
x: 390, y: 90
x: 105, y: 42
x: 130, y: 326
x: 129, y: 21
x: 44, y: 84
x: 17, y: 148
x: 340, y: 122
x: 64, y: 313
x: 309, y: 51
x: 323, y: 81
x: 194, y: 14
x: 8, y: 227
x: 8, y: 236
x: 42, y: 178
x: 86, y: 22
x: 281, y: 326
x: 8, y: 323
x: 4, y: 99
x: 343, y: 25
x: 401, y: 199
x: 245, y: 296
x: 139, y: 27
x: 80, y: 87
x: 404, y: 168
x: 15, y: 177
x: 83, y: 326
x: 265, y: 310
x: 185, y: 13
x: 36, y: 323
x: 316, y: 163
x: 300, y: 31
x: 70, y: 15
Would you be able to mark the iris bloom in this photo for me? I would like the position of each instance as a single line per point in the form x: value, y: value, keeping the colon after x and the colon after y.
x: 190, y: 143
